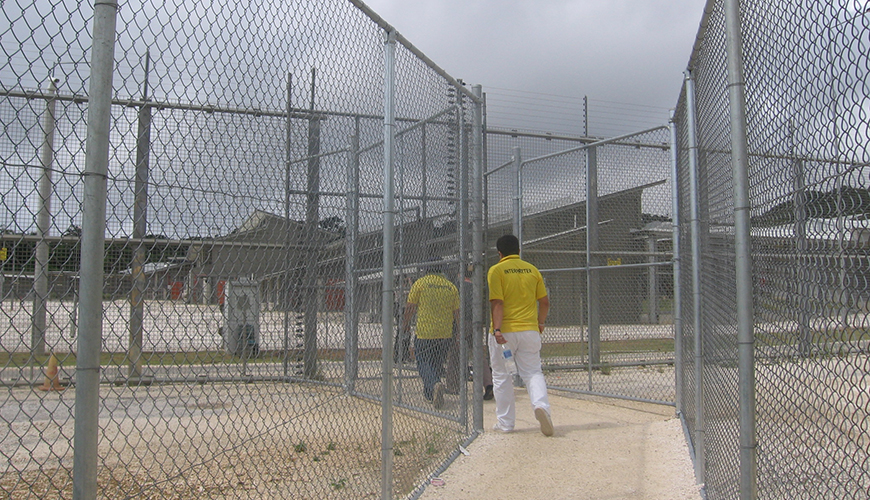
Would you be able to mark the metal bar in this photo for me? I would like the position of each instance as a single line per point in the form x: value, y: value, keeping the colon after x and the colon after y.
x: 561, y: 234
x: 464, y: 247
x: 415, y: 126
x: 299, y: 113
x: 87, y: 395
x: 351, y: 331
x: 478, y: 248
x: 743, y: 250
x: 43, y: 224
x: 592, y: 279
x: 694, y: 200
x: 388, y: 281
x: 288, y: 236
x: 595, y: 144
x: 517, y: 197
x: 500, y: 167
x: 571, y: 138
x: 312, y: 220
x: 608, y: 268
x: 140, y: 227
x: 678, y: 297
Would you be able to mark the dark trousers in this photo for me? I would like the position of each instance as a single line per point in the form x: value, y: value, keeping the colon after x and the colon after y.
x: 430, y: 355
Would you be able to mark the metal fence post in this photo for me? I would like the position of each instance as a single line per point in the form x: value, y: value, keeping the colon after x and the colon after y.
x: 87, y: 403
x: 288, y: 273
x: 477, y: 326
x: 800, y: 269
x: 312, y: 218
x: 351, y: 327
x: 388, y: 281
x: 43, y: 224
x: 518, y: 197
x: 464, y: 247
x: 743, y: 250
x: 592, y: 276
x: 140, y: 226
x: 698, y: 435
x: 678, y: 297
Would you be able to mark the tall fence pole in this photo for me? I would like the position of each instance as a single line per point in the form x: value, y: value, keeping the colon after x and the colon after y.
x: 388, y: 281
x: 694, y: 200
x: 742, y: 249
x: 43, y: 224
x: 140, y: 226
x: 592, y: 275
x: 351, y: 327
x: 464, y: 247
x: 312, y: 218
x: 87, y: 404
x: 477, y: 255
x: 678, y: 298
x: 286, y: 298
x: 518, y: 197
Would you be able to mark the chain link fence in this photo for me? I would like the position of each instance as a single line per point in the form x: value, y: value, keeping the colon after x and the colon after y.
x: 774, y: 154
x: 610, y: 328
x: 247, y: 306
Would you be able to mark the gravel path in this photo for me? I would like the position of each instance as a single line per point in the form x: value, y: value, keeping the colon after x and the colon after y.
x: 602, y: 449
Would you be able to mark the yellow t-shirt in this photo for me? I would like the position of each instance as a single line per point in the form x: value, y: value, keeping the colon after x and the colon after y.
x: 436, y: 299
x: 519, y: 285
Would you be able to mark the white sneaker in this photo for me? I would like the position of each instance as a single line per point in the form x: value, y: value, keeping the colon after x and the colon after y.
x: 499, y: 428
x: 545, y: 421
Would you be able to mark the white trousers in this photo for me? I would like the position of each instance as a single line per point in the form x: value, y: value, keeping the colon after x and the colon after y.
x: 526, y: 348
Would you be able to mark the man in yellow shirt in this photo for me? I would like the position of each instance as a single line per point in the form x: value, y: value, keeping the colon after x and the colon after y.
x: 435, y: 300
x: 519, y: 305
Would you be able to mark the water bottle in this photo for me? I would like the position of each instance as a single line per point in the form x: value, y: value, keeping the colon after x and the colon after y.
x: 509, y: 363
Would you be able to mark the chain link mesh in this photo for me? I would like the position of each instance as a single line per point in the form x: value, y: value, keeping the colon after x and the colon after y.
x: 807, y: 108
x: 242, y: 337
x: 624, y: 345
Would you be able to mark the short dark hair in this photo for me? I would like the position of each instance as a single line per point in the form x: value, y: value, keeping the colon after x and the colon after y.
x: 508, y: 245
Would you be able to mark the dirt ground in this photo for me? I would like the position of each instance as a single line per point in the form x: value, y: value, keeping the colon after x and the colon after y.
x: 602, y: 449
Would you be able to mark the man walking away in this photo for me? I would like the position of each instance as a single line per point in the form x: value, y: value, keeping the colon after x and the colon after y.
x: 519, y: 305
x: 436, y: 302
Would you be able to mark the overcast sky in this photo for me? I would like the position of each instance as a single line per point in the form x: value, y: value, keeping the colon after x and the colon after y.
x: 628, y: 51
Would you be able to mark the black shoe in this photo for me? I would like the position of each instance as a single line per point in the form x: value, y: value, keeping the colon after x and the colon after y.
x: 487, y: 393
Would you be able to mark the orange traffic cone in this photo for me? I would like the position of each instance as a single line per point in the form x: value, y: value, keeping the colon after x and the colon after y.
x: 52, y: 376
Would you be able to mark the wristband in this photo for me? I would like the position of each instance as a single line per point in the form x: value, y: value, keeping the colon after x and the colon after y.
x: 497, y: 330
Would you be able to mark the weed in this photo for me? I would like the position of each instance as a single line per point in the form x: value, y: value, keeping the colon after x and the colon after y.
x: 300, y: 448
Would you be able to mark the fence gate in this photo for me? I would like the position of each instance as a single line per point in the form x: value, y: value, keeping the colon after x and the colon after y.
x: 595, y: 217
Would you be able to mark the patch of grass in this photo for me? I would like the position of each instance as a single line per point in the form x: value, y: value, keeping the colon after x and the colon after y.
x: 300, y: 448
x: 338, y: 484
x: 431, y: 448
